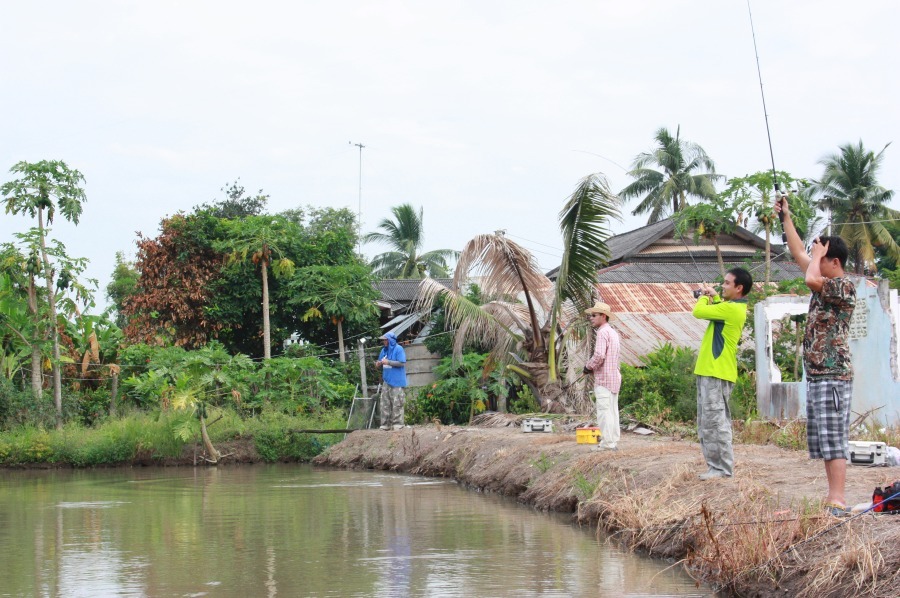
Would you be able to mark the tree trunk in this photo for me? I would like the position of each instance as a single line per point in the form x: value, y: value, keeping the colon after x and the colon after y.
x: 37, y: 377
x: 340, y: 322
x: 51, y: 302
x: 715, y: 241
x: 214, y: 455
x: 114, y: 393
x: 267, y: 332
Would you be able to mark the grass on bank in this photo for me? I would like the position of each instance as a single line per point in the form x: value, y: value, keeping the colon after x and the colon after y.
x: 155, y: 436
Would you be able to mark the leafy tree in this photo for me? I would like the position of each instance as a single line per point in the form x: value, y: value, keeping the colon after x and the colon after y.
x: 754, y: 194
x: 259, y: 237
x: 338, y: 292
x: 857, y: 202
x: 41, y: 189
x: 707, y: 220
x: 171, y: 297
x: 123, y: 285
x: 549, y: 321
x: 24, y: 326
x: 665, y: 176
x: 237, y: 204
x: 406, y: 236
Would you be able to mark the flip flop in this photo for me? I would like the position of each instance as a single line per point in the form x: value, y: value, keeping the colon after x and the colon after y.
x: 836, y: 510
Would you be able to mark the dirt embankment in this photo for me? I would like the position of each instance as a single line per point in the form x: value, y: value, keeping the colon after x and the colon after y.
x: 734, y: 533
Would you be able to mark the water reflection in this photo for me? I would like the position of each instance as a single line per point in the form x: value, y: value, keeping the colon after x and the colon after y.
x: 295, y: 531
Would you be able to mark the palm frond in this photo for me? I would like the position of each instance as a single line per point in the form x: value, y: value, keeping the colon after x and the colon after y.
x: 584, y: 222
x: 504, y: 268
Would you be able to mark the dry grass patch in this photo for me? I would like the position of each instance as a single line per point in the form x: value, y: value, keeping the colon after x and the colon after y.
x: 647, y: 517
x: 850, y: 568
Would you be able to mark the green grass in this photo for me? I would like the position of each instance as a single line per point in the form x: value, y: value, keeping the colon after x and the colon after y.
x: 117, y: 441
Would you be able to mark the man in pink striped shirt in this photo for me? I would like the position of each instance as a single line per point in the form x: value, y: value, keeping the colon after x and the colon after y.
x: 604, y: 364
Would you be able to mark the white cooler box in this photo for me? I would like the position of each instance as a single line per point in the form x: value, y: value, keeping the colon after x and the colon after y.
x: 863, y: 452
x: 536, y: 424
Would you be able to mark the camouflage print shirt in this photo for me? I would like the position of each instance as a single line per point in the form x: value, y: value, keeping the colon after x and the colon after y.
x: 826, y: 349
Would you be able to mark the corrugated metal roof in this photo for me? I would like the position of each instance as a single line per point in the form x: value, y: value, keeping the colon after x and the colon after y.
x: 648, y: 297
x: 644, y: 333
x: 687, y: 272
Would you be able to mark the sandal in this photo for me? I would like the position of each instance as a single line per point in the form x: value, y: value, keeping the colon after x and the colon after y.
x: 836, y: 510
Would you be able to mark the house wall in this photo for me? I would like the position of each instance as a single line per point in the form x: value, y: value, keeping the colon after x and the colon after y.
x: 874, y: 331
x: 420, y: 363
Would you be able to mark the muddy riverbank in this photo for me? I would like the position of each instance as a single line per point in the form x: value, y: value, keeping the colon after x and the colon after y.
x: 736, y: 534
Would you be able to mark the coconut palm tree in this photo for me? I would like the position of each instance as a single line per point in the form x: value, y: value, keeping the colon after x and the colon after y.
x: 665, y: 192
x: 405, y: 235
x: 851, y: 193
x: 532, y: 324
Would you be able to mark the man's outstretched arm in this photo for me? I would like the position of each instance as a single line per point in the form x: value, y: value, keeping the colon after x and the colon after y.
x: 795, y: 243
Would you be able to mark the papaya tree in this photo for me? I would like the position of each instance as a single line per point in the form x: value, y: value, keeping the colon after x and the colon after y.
x: 707, y: 220
x: 754, y: 195
x: 40, y: 190
x: 259, y: 239
x: 342, y: 293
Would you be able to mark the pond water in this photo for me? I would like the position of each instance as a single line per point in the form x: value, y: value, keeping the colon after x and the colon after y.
x: 295, y: 530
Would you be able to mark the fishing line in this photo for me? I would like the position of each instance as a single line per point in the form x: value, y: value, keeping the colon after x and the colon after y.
x: 778, y: 194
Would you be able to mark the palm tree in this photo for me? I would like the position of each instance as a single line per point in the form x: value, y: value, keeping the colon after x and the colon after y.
x: 526, y: 317
x: 34, y: 193
x: 680, y: 161
x: 856, y: 201
x: 405, y: 236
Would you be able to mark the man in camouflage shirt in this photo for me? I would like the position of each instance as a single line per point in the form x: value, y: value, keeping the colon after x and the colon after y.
x: 826, y: 355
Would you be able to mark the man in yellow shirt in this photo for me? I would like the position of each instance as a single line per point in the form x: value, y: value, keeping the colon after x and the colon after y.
x: 716, y: 368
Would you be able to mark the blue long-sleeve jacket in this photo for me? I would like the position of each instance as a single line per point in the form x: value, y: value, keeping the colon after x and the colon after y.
x: 393, y: 374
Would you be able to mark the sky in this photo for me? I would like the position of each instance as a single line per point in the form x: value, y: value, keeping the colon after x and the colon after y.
x: 486, y: 114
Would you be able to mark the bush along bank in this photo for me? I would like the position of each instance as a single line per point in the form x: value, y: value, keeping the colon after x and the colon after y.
x: 166, y: 438
x: 762, y: 533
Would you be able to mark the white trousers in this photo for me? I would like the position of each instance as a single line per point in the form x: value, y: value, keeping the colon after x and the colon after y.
x: 607, y: 416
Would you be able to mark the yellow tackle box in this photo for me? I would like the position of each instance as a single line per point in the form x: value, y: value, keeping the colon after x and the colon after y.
x: 590, y: 435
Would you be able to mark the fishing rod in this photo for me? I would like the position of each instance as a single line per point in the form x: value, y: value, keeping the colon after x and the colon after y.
x: 779, y: 196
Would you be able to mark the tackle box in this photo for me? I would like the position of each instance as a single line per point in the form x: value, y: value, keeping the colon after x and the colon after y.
x: 864, y: 452
x: 537, y: 424
x: 588, y: 435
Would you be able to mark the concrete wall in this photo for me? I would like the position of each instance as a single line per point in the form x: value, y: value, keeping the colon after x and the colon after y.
x: 874, y: 331
x: 420, y: 364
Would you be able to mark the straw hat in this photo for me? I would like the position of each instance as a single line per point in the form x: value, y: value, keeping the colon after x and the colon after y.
x: 600, y: 308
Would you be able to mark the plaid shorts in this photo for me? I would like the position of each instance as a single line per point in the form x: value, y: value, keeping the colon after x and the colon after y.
x: 828, y: 418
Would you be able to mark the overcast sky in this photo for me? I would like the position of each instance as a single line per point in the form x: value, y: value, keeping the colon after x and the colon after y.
x: 485, y: 113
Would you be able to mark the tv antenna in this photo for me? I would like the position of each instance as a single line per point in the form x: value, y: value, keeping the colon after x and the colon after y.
x: 359, y: 209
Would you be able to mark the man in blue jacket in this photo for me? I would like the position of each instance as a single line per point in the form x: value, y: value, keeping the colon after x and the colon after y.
x: 392, y: 361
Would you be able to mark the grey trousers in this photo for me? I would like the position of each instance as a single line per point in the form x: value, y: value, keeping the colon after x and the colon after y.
x: 714, y: 423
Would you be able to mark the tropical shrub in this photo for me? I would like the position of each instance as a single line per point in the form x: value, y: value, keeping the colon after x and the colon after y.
x: 462, y: 390
x: 665, y: 381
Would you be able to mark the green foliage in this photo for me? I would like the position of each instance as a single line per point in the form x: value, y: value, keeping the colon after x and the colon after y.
x: 123, y: 285
x: 522, y: 400
x: 743, y: 397
x: 858, y: 203
x: 664, y: 383
x: 542, y: 463
x: 461, y: 391
x: 237, y: 203
x: 146, y: 437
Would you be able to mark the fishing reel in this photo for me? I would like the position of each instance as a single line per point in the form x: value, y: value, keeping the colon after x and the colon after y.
x: 697, y: 293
